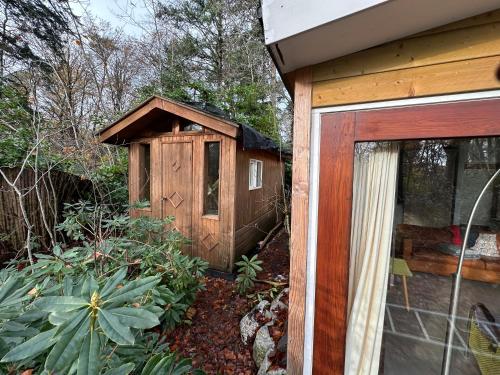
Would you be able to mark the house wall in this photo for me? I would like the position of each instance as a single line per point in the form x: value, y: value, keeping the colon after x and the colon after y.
x: 221, y: 227
x: 459, y: 57
x: 257, y: 211
x: 456, y: 58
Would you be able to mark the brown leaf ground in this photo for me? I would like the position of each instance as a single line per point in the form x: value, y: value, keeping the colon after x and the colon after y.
x: 213, y: 338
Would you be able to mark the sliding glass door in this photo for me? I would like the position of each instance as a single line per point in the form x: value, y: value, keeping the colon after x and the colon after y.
x: 396, y: 191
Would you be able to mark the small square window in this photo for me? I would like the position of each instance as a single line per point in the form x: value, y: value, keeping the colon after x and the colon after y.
x: 255, y: 174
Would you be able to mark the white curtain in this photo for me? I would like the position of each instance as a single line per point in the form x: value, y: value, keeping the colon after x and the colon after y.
x: 374, y: 194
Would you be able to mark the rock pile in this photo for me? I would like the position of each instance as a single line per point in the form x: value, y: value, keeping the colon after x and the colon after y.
x: 265, y: 325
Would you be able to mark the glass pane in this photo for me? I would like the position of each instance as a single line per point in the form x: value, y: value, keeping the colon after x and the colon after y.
x: 437, y: 183
x: 191, y: 127
x: 212, y: 178
x: 144, y: 172
x: 259, y: 174
x: 255, y: 174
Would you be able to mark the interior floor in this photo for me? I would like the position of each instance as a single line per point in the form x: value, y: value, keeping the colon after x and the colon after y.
x: 413, y: 340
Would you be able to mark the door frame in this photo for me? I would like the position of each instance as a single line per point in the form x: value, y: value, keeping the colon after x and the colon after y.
x: 335, y: 130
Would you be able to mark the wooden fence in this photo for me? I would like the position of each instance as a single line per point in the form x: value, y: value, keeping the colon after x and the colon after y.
x: 54, y: 189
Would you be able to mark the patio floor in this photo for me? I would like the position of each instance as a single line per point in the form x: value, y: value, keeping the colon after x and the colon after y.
x: 413, y: 341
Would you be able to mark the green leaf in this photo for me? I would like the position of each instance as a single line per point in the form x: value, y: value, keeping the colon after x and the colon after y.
x: 65, y: 351
x: 60, y: 304
x: 58, y: 318
x: 89, y: 360
x: 113, y: 282
x: 136, y: 318
x: 89, y: 287
x: 67, y: 286
x: 9, y: 287
x: 125, y: 369
x: 32, y: 347
x: 31, y: 316
x: 150, y: 365
x: 114, y: 329
x: 131, y: 290
x: 70, y: 324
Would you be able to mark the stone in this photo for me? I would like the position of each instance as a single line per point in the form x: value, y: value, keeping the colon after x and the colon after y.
x: 262, y: 346
x: 277, y: 303
x: 266, y: 363
x: 279, y: 371
x: 249, y: 324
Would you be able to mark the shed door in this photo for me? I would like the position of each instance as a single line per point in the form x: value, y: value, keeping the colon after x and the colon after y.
x: 177, y: 180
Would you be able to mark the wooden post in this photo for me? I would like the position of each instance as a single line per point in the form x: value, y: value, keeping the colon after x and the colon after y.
x: 299, y: 220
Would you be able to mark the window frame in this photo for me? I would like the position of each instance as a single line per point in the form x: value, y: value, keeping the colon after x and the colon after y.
x: 340, y: 130
x: 205, y: 176
x: 259, y: 177
x: 143, y: 146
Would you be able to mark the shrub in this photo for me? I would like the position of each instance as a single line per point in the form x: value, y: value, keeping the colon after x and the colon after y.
x: 247, y: 273
x: 89, y: 308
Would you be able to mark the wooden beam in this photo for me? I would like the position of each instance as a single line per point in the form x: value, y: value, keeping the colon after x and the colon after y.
x: 213, y: 122
x: 455, y: 45
x: 334, y: 233
x: 179, y: 109
x: 299, y: 221
x: 451, y: 120
x: 462, y: 76
x: 126, y: 121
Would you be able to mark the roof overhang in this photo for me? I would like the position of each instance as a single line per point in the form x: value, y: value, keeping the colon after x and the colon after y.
x: 152, y: 108
x: 301, y: 33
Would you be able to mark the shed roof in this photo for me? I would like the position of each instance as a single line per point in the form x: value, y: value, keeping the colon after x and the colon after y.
x: 141, y: 117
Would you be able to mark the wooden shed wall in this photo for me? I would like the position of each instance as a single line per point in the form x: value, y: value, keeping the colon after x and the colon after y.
x: 221, y: 227
x: 256, y: 211
x: 460, y: 57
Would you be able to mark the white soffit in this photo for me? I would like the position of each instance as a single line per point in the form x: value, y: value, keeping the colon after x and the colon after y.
x: 306, y: 32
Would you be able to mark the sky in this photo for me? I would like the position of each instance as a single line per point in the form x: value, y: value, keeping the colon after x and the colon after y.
x: 109, y: 10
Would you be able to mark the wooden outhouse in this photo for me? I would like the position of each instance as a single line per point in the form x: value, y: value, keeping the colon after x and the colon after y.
x: 222, y: 181
x: 398, y: 78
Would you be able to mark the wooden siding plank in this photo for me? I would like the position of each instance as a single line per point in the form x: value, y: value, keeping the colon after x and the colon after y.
x: 255, y: 203
x: 481, y: 19
x: 455, y: 77
x: 455, y: 45
x: 332, y: 266
x: 247, y: 236
x: 299, y: 220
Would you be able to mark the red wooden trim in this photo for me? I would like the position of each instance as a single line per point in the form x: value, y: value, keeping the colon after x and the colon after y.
x: 450, y: 120
x: 339, y: 132
x: 334, y: 233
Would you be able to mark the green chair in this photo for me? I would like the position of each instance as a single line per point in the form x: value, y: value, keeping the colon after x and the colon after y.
x: 484, y: 339
x: 399, y: 267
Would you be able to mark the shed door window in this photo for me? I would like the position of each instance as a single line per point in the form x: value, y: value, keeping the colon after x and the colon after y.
x: 211, y: 178
x: 255, y: 174
x: 144, y: 172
